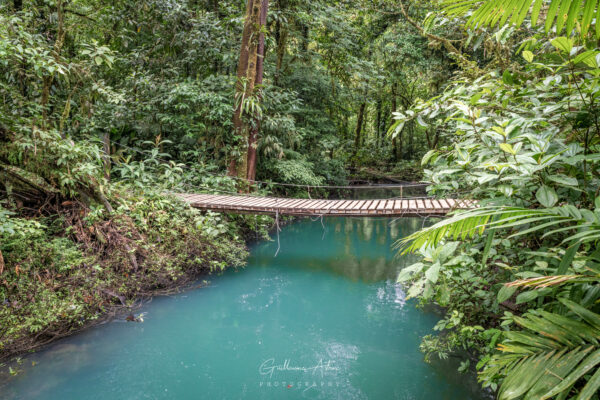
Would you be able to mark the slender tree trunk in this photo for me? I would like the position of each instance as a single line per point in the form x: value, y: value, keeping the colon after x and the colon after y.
x: 305, y: 39
x: 394, y: 109
x: 106, y: 155
x: 253, y: 138
x: 386, y: 111
x: 246, y: 77
x: 281, y: 35
x: 378, y: 123
x: 58, y: 44
x: 359, y: 126
x: 411, y: 135
x: 399, y: 146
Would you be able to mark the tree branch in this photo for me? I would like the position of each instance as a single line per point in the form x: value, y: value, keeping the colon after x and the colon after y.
x: 460, y: 57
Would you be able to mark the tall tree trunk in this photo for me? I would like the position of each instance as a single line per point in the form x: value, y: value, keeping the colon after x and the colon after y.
x: 359, y: 126
x: 246, y: 78
x: 378, y: 123
x: 253, y: 138
x: 106, y: 155
x: 58, y: 44
x: 305, y: 39
x: 281, y: 35
x: 399, y: 146
x: 394, y: 109
x: 386, y: 111
x: 411, y: 135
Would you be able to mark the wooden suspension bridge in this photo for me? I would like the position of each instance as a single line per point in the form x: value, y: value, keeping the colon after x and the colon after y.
x: 395, y: 207
x: 239, y: 204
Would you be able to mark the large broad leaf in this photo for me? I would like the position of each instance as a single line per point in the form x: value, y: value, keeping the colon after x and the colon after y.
x: 564, y: 15
x: 546, y: 196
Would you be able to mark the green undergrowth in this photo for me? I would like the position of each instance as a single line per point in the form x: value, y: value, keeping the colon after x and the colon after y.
x: 64, y: 271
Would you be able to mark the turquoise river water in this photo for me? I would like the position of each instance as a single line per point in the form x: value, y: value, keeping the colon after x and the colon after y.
x: 322, y: 320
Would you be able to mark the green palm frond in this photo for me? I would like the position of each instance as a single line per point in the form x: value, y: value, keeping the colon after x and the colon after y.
x: 581, y: 225
x: 559, y: 14
x: 553, y: 356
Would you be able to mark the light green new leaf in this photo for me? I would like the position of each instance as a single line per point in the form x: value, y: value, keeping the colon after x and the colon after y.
x: 563, y: 44
x: 507, y: 147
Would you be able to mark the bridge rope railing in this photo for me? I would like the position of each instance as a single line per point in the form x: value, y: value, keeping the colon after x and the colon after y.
x: 270, y: 184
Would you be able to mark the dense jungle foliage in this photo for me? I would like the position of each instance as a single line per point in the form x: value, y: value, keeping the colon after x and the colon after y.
x: 107, y: 105
x: 519, y: 276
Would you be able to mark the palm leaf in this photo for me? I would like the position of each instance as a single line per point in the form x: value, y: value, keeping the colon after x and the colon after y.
x: 561, y: 14
x: 466, y: 224
x: 550, y: 356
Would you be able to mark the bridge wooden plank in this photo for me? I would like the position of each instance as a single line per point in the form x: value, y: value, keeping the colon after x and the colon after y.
x: 428, y: 204
x: 384, y: 208
x: 252, y: 202
x: 333, y: 205
x: 285, y: 203
x: 319, y: 205
x: 344, y: 204
x: 294, y: 203
x: 366, y: 204
x: 373, y: 205
x: 420, y: 204
x: 348, y: 207
x: 213, y: 199
x: 232, y: 201
x: 356, y: 205
x: 444, y: 203
x: 412, y: 205
x: 304, y: 204
x: 271, y: 203
x: 249, y: 202
x: 390, y: 206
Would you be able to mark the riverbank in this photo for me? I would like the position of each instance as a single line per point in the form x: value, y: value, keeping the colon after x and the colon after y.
x: 74, y: 265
